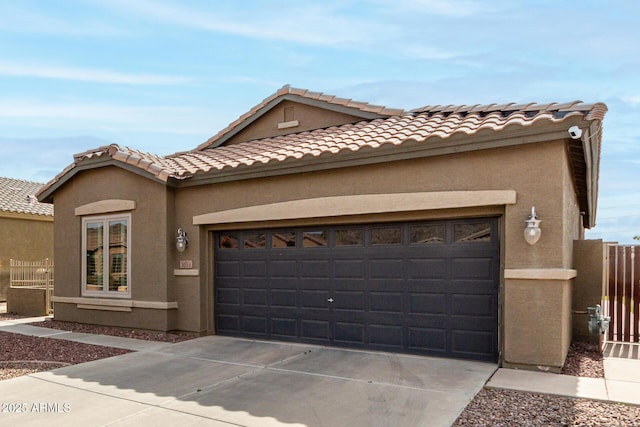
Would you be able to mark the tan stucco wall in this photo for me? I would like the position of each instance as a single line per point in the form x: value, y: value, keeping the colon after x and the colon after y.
x: 150, y: 256
x: 537, y: 323
x: 23, y: 239
x: 27, y: 301
x: 591, y: 261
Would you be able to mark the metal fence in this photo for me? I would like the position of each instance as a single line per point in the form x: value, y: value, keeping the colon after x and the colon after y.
x: 33, y: 274
x: 622, y: 296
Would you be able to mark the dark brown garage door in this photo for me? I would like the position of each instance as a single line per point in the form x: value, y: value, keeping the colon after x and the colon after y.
x: 428, y: 288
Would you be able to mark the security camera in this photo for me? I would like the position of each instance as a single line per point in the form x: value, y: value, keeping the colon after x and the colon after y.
x: 575, y: 132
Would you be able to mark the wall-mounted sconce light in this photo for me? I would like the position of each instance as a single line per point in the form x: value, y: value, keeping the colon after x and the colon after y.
x: 181, y: 241
x: 532, y: 231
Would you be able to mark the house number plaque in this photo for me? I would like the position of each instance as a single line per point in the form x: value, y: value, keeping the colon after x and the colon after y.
x: 186, y: 263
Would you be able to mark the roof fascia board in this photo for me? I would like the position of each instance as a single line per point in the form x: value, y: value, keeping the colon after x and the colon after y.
x: 365, y: 115
x: 379, y: 155
x: 94, y: 163
x: 26, y: 216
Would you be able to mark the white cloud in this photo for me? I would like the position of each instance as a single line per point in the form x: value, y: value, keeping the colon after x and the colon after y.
x: 87, y: 74
x: 18, y: 17
x: 105, y: 117
x: 318, y: 24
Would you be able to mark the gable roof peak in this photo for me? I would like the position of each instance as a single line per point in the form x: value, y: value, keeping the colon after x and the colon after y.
x: 363, y: 110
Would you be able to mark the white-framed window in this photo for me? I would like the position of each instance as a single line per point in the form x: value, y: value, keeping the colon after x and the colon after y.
x: 106, y: 256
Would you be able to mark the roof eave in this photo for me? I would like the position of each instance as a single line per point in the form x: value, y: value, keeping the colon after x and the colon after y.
x: 45, y: 195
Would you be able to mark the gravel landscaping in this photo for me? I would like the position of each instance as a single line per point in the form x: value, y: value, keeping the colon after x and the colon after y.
x: 493, y: 407
x: 23, y: 354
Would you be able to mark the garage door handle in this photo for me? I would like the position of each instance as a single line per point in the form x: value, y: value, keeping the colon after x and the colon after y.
x: 330, y: 300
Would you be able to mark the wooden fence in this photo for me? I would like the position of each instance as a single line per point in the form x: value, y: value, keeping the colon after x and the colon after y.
x: 33, y: 274
x: 622, y: 296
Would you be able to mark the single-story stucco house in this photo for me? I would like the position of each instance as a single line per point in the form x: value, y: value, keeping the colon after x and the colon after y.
x: 318, y: 219
x: 26, y: 227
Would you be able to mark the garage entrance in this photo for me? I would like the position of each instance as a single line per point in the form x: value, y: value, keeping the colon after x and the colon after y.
x: 420, y: 287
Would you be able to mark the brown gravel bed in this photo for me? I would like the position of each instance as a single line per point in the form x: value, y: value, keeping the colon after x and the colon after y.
x: 34, y: 354
x: 140, y: 334
x: 492, y: 407
x: 514, y: 408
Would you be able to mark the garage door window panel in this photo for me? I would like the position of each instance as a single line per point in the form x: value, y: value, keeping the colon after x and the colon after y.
x: 472, y: 232
x: 255, y: 241
x: 314, y: 239
x: 350, y: 237
x: 283, y: 239
x: 228, y: 241
x: 427, y: 234
x: 386, y: 236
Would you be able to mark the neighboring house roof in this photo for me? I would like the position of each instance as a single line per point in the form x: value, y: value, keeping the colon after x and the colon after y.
x: 386, y: 133
x: 18, y: 196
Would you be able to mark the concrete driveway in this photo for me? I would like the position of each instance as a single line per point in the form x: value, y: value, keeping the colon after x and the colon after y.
x: 220, y: 381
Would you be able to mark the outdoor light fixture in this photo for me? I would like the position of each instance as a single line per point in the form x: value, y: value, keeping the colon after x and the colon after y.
x: 532, y: 231
x: 181, y: 241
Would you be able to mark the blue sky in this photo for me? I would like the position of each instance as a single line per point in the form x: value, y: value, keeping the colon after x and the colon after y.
x: 163, y: 76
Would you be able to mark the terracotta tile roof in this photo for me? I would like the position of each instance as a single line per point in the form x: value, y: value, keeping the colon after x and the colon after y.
x: 417, y: 126
x: 18, y: 196
x: 306, y: 94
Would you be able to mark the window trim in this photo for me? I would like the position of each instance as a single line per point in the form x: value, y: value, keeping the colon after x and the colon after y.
x: 106, y: 257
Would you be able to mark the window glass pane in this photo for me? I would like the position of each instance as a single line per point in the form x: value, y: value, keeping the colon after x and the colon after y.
x: 255, y: 241
x: 118, y: 255
x: 352, y: 237
x: 283, y: 239
x: 228, y: 241
x: 386, y: 236
x: 312, y: 239
x: 427, y: 234
x: 473, y: 232
x: 95, y: 254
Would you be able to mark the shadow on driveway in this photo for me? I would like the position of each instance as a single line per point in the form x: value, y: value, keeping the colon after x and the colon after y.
x: 226, y: 381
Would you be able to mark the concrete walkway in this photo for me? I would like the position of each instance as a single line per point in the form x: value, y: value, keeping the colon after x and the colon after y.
x: 621, y: 382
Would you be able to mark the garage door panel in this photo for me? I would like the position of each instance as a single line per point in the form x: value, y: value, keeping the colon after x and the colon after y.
x: 386, y: 335
x: 227, y: 269
x: 254, y: 268
x: 386, y: 268
x: 284, y: 298
x: 349, y: 333
x: 316, y: 299
x: 473, y: 343
x: 473, y: 305
x: 254, y: 324
x: 420, y: 287
x: 282, y: 327
x: 316, y: 329
x: 436, y: 268
x: 228, y: 323
x: 254, y: 297
x: 283, y: 269
x: 349, y: 300
x: 228, y: 295
x: 345, y: 269
x: 431, y: 339
x: 315, y: 269
x: 427, y: 303
x: 472, y: 268
x: 387, y: 302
